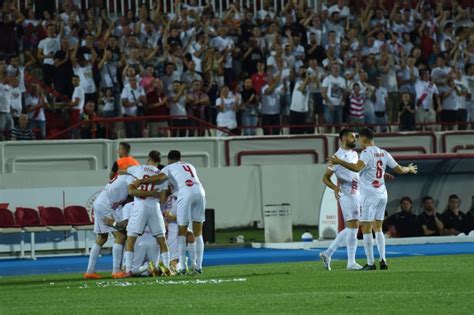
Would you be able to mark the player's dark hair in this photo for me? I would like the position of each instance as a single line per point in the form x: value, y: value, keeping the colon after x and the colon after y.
x: 367, y: 133
x: 345, y: 132
x: 174, y: 155
x: 406, y: 198
x: 453, y: 196
x: 426, y: 198
x: 155, y: 156
x: 126, y: 146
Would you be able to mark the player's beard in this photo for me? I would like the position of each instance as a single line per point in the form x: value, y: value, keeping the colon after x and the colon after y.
x: 351, y: 145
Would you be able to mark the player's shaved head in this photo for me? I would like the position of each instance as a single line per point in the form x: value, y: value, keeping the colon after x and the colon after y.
x: 174, y: 155
x: 155, y: 156
x: 125, y: 146
x: 367, y: 133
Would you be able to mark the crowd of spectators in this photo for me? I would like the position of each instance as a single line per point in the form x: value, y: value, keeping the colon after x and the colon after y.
x: 349, y: 62
x: 452, y: 221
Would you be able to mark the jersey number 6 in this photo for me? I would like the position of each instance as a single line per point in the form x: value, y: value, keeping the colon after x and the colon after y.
x: 379, y: 170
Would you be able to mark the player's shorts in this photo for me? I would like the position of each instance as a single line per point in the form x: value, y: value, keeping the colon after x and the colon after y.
x: 190, y: 207
x: 144, y: 214
x: 101, y: 212
x: 373, y: 208
x: 350, y: 206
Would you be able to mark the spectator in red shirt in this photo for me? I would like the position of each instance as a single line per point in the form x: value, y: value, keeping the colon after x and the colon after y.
x: 259, y: 79
x: 157, y: 106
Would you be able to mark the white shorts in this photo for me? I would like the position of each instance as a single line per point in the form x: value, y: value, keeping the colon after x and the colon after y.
x: 101, y: 212
x: 373, y: 208
x: 350, y: 207
x: 142, y: 215
x: 190, y: 207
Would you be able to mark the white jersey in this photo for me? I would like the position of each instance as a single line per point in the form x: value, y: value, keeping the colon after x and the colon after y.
x: 116, y: 191
x: 146, y: 171
x: 348, y: 181
x: 372, y: 176
x: 183, y: 176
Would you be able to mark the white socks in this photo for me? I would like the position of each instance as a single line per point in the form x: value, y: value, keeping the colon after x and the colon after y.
x: 199, y: 251
x: 165, y: 258
x: 93, y: 255
x: 351, y: 236
x: 182, y: 252
x: 191, y: 247
x: 340, y: 238
x: 369, y: 248
x: 128, y: 261
x: 380, y: 239
x: 117, y: 250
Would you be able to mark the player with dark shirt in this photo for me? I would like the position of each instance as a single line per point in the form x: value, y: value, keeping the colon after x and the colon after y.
x: 455, y: 221
x: 430, y: 221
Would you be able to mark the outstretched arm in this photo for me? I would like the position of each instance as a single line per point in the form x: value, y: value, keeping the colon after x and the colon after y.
x: 411, y: 168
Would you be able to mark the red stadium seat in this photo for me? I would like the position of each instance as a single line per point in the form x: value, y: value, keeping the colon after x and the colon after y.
x: 53, y: 217
x: 7, y: 222
x: 77, y: 216
x: 29, y: 220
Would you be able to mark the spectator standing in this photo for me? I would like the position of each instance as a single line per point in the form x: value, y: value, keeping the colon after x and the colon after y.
x: 133, y: 103
x: 89, y: 128
x: 407, y: 113
x: 9, y: 18
x: 6, y: 121
x: 430, y: 220
x: 369, y: 97
x: 356, y: 109
x: 77, y: 106
x: 16, y: 100
x: 270, y: 97
x: 63, y: 71
x: 83, y: 67
x: 157, y: 105
x: 380, y: 105
x: 46, y: 49
x: 250, y: 108
x: 455, y: 221
x: 449, y: 104
x: 188, y: 77
x: 227, y: 105
x: 177, y: 101
x: 404, y: 223
x: 260, y: 77
x: 316, y: 73
x: 35, y: 104
x: 197, y: 101
x: 333, y: 90
x: 462, y: 89
x: 426, y: 91
x: 300, y: 105
x: 22, y: 132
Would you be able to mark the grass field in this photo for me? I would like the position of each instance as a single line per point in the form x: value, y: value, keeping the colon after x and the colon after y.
x: 421, y: 285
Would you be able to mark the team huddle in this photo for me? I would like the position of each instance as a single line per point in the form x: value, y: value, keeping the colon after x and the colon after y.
x: 365, y: 204
x: 155, y: 214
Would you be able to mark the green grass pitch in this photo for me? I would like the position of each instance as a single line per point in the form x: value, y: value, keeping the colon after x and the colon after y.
x: 414, y: 285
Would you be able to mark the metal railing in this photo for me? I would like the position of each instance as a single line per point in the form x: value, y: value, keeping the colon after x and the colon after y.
x: 119, y: 7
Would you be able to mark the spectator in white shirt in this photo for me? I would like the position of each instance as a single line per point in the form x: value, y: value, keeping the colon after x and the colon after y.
x: 77, y: 106
x: 270, y: 96
x: 177, y: 101
x: 83, y: 68
x: 299, y: 105
x: 380, y: 105
x: 16, y: 103
x: 133, y: 101
x: 6, y: 121
x: 227, y: 105
x: 426, y: 91
x: 449, y: 94
x: 333, y: 90
x: 46, y: 50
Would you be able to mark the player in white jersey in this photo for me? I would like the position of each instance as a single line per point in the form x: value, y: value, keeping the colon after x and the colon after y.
x: 191, y: 204
x: 106, y: 205
x: 145, y: 213
x: 347, y: 194
x: 371, y: 165
x: 170, y: 214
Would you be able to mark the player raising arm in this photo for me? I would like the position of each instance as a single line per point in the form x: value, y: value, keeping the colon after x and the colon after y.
x: 348, y: 197
x: 371, y: 165
x: 191, y: 204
